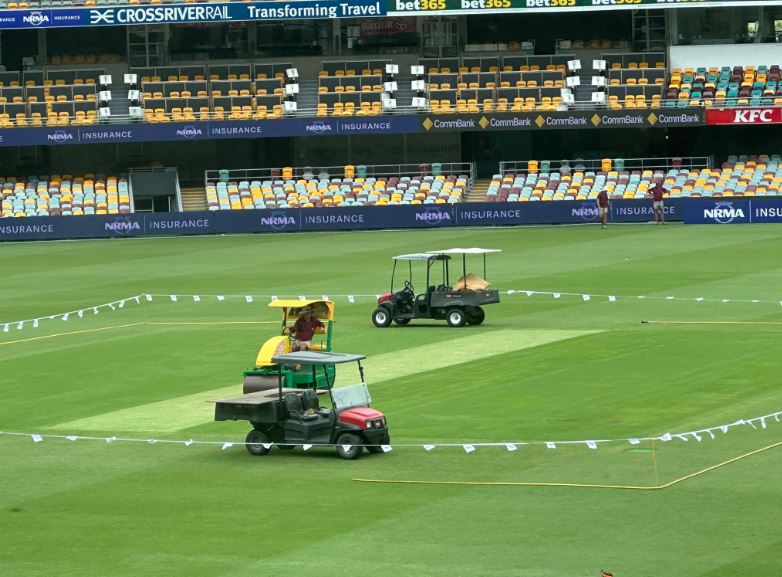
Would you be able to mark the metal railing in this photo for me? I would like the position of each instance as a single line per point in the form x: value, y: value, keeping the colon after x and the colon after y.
x: 666, y: 106
x: 626, y: 164
x: 322, y: 172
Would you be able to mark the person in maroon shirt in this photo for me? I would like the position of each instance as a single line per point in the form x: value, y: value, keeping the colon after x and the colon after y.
x: 657, y: 192
x: 603, y: 204
x: 303, y: 330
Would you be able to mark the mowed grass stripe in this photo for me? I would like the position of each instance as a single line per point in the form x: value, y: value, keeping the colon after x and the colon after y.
x: 188, y: 411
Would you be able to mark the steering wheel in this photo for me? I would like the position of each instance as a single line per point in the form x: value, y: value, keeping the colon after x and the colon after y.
x: 409, y: 287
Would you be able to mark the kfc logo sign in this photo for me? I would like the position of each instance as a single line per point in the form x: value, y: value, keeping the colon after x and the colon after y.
x: 753, y: 116
x: 744, y: 116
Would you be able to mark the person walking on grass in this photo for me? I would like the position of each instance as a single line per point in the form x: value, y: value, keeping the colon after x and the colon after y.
x: 657, y: 192
x: 603, y: 206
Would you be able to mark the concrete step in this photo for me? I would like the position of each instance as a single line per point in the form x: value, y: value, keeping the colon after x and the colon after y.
x: 193, y: 199
x: 478, y: 191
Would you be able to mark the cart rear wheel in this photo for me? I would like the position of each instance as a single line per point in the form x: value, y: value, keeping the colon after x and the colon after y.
x: 475, y: 315
x: 455, y: 318
x: 377, y: 448
x: 349, y: 446
x: 402, y: 321
x: 381, y: 317
x: 255, y: 443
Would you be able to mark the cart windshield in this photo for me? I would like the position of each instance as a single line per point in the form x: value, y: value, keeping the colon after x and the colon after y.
x: 351, y: 396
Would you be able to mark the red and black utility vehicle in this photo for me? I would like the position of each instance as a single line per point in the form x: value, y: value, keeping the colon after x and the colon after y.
x: 287, y: 418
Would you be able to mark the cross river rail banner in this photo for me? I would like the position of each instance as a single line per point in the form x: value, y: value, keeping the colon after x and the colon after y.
x: 354, y: 126
x: 173, y: 13
x: 307, y: 9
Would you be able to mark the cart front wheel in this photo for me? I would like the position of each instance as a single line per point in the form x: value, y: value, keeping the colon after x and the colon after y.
x: 377, y: 448
x: 455, y: 318
x: 349, y: 446
x: 381, y: 317
x: 255, y: 443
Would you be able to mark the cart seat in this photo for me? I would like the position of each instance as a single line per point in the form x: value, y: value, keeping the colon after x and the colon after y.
x: 295, y: 409
x: 311, y: 401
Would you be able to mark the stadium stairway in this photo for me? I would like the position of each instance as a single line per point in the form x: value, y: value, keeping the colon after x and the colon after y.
x: 307, y: 99
x: 119, y: 105
x: 478, y: 191
x: 193, y: 199
x: 404, y: 94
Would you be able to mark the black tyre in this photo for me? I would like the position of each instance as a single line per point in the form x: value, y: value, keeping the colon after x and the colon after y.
x: 377, y: 448
x: 349, y: 446
x: 381, y: 317
x: 455, y: 318
x: 475, y: 315
x: 254, y: 443
x: 402, y: 321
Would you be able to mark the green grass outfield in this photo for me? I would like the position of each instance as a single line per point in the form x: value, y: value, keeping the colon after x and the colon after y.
x: 540, y: 369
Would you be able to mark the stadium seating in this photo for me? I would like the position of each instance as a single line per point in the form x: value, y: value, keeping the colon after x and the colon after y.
x: 279, y: 192
x: 489, y: 84
x: 51, y: 98
x: 351, y: 88
x: 725, y: 86
x: 64, y: 195
x: 739, y: 176
x: 221, y: 92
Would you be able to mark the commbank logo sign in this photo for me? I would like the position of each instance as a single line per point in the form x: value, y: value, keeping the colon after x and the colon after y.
x: 723, y: 213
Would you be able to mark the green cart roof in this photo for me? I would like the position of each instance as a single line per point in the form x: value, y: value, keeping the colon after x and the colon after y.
x: 316, y: 358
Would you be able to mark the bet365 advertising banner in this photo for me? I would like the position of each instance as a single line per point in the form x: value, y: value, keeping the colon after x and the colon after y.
x: 419, y: 7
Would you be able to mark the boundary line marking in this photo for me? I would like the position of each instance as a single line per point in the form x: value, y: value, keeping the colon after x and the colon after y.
x: 575, y: 485
x: 95, y: 330
x: 711, y: 322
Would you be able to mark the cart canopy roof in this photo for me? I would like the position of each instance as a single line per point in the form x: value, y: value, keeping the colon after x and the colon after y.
x: 320, y: 308
x: 473, y: 250
x: 316, y: 358
x: 414, y: 256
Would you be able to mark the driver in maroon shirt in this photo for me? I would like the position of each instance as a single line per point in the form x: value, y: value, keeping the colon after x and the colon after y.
x: 603, y: 204
x: 657, y: 192
x: 304, y: 329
